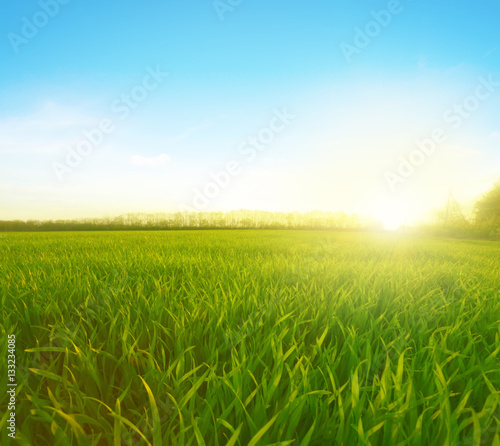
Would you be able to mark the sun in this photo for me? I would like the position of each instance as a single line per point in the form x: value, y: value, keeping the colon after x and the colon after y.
x: 388, y: 212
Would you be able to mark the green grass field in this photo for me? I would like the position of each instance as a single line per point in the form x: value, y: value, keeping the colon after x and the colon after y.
x: 252, y: 338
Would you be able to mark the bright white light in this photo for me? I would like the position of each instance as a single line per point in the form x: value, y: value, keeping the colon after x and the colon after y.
x: 388, y: 212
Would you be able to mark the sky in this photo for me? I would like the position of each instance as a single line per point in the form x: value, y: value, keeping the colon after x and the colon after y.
x: 379, y: 107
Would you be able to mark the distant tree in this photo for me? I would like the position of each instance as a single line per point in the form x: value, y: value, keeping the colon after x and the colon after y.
x: 488, y: 207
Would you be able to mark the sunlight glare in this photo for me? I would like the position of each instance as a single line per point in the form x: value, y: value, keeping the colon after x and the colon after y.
x: 388, y: 212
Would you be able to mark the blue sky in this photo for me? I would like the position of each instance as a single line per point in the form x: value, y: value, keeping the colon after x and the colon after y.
x: 230, y: 70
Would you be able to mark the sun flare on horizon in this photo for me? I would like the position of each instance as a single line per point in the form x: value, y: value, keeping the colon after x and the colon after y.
x: 389, y: 212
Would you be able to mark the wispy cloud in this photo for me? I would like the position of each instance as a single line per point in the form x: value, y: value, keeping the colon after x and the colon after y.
x: 43, y: 131
x: 490, y: 52
x: 150, y: 161
x: 495, y: 136
x: 171, y: 140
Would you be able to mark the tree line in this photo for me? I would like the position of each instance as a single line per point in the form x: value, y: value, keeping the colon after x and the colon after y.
x: 484, y: 223
x: 238, y: 219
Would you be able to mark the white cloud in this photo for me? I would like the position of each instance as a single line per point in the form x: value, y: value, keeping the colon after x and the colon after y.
x: 160, y: 160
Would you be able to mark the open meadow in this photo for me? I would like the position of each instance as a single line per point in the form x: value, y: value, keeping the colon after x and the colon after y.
x: 251, y: 337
